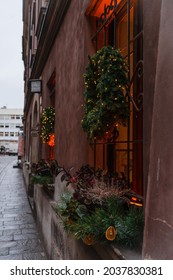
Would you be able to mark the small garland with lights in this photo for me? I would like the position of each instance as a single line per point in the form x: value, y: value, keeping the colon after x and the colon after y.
x: 106, y: 83
x: 47, y: 125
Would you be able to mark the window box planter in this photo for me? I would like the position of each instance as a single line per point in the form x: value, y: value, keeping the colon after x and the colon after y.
x: 61, y: 244
x: 49, y: 190
x: 100, y: 213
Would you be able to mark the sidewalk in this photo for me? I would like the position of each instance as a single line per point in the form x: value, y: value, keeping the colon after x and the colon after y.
x: 19, y: 237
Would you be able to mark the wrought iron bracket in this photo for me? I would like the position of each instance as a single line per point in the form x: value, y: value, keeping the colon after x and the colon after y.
x: 139, y: 72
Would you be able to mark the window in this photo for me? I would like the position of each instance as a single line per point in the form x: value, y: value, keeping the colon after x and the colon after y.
x: 1, y: 133
x: 122, y: 28
x: 6, y: 134
x: 1, y: 125
x: 12, y: 125
x: 11, y: 134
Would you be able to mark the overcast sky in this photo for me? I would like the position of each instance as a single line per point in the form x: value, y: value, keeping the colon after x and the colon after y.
x: 11, y: 64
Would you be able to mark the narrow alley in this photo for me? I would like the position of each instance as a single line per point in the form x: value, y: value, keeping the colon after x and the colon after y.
x: 19, y: 237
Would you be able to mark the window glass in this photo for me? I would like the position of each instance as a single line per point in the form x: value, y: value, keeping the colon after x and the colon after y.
x: 124, y: 155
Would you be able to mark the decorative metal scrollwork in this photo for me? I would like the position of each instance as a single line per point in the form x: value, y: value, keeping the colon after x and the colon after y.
x: 139, y: 73
x: 107, y: 12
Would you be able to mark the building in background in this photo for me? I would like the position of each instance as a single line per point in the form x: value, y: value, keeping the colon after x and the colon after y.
x: 58, y: 36
x: 10, y: 126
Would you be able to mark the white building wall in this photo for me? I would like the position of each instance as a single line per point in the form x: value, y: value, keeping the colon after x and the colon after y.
x: 10, y: 124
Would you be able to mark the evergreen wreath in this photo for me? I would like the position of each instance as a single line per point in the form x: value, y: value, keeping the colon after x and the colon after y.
x: 47, y: 123
x: 96, y: 212
x: 114, y: 221
x: 106, y: 83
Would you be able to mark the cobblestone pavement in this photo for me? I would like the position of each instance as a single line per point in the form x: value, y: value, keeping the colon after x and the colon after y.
x: 19, y: 237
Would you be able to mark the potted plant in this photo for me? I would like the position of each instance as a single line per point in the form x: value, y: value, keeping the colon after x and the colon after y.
x: 106, y: 84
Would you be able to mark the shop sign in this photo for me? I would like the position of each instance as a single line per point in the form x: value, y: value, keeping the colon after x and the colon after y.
x: 35, y: 86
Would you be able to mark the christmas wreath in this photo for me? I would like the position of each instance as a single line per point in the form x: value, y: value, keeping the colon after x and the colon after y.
x: 47, y: 125
x: 106, y: 84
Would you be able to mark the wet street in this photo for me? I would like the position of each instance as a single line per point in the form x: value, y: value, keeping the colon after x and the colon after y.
x: 19, y: 237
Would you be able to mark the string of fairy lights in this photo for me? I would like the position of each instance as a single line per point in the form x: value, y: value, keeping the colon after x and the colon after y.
x: 47, y: 126
x: 106, y: 84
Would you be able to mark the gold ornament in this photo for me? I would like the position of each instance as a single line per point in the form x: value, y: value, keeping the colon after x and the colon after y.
x: 88, y: 240
x: 111, y: 233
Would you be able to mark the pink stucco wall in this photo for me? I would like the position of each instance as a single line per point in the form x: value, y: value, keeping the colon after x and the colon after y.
x: 158, y: 233
x: 69, y: 57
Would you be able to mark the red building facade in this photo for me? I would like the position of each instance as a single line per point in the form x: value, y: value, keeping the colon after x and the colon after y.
x: 62, y: 35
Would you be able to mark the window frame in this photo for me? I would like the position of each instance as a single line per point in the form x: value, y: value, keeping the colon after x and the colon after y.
x: 134, y: 145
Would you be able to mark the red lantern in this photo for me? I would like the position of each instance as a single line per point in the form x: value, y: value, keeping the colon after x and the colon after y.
x: 51, y: 141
